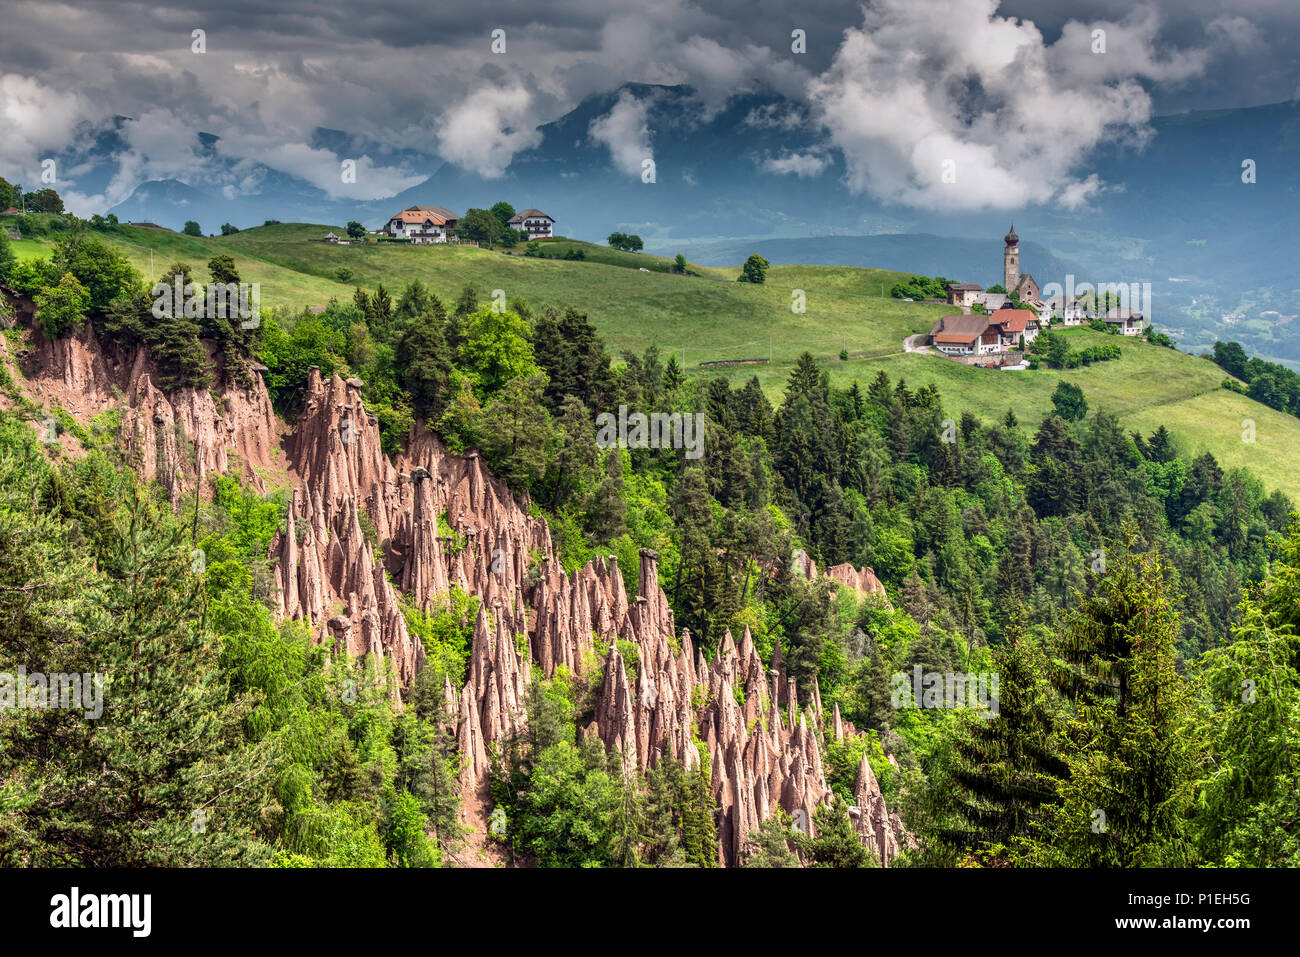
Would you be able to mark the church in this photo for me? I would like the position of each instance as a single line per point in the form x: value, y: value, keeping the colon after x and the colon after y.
x: 967, y: 294
x: 1012, y: 279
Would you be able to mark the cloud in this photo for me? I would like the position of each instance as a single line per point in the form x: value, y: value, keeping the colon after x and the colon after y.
x: 773, y: 116
x: 485, y: 130
x: 1076, y: 193
x: 322, y: 168
x: 802, y: 165
x: 37, y: 121
x: 625, y: 132
x: 409, y: 75
x: 983, y: 113
x: 1236, y: 33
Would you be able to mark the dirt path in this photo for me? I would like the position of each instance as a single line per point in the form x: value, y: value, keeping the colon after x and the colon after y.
x: 916, y: 343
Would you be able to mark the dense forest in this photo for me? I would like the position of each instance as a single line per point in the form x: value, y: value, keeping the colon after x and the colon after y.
x: 1139, y: 606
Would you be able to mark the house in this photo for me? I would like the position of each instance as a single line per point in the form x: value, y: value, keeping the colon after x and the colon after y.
x: 963, y: 293
x: 991, y: 301
x: 1012, y: 325
x: 422, y: 224
x: 534, y: 222
x: 963, y: 335
x: 1070, y: 311
x: 331, y: 238
x: 11, y: 211
x: 1127, y: 322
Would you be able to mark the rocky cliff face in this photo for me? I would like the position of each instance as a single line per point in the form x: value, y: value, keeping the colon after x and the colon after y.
x: 178, y: 439
x: 360, y: 528
x: 760, y: 737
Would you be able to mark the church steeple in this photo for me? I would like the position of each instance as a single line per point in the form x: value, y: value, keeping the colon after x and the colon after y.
x: 1011, y: 261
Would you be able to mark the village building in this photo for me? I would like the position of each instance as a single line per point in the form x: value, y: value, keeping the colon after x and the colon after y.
x: 963, y: 293
x: 534, y: 222
x: 991, y: 301
x: 1013, y: 326
x: 1023, y: 285
x: 422, y: 224
x: 964, y: 335
x: 1069, y: 312
x: 1127, y: 322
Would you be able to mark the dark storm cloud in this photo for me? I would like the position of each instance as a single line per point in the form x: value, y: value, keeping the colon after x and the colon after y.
x: 414, y: 74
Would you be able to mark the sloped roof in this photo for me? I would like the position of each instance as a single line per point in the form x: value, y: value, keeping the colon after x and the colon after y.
x: 442, y: 211
x: 1012, y: 320
x: 962, y: 338
x: 971, y: 325
x: 425, y: 214
x: 520, y: 216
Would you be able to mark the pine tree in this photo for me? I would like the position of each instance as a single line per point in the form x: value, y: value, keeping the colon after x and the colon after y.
x: 769, y: 846
x: 163, y: 777
x: 1007, y: 766
x: 836, y: 842
x: 699, y: 819
x: 421, y: 349
x: 665, y: 812
x: 629, y: 835
x: 607, y: 509
x: 1133, y: 751
x: 1248, y: 814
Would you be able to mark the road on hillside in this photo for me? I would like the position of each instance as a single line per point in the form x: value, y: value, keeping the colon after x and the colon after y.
x: 916, y: 343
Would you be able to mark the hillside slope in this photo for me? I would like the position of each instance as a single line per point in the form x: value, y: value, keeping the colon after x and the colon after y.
x: 710, y: 317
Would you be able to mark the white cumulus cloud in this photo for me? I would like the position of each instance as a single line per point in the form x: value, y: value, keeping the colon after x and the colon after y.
x: 624, y: 131
x: 802, y: 165
x: 485, y: 130
x: 944, y: 104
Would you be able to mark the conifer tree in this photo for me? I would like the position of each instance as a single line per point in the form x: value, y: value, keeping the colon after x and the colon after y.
x: 1132, y: 751
x: 1247, y: 813
x: 699, y: 819
x: 1007, y: 766
x: 835, y: 841
x: 769, y: 846
x: 665, y: 812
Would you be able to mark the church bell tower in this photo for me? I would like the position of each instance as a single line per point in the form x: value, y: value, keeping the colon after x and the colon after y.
x: 1011, y: 261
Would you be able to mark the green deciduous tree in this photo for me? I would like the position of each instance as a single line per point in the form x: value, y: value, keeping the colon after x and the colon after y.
x: 62, y: 307
x: 755, y: 269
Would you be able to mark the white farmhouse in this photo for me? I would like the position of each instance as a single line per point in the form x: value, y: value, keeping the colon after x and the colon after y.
x: 422, y: 224
x: 534, y: 222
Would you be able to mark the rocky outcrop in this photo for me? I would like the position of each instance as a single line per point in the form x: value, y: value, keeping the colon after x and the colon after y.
x: 880, y: 830
x: 441, y: 520
x: 178, y: 439
x: 363, y: 533
x: 861, y: 580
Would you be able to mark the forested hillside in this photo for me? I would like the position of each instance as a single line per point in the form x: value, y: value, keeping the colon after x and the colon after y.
x: 1137, y: 606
